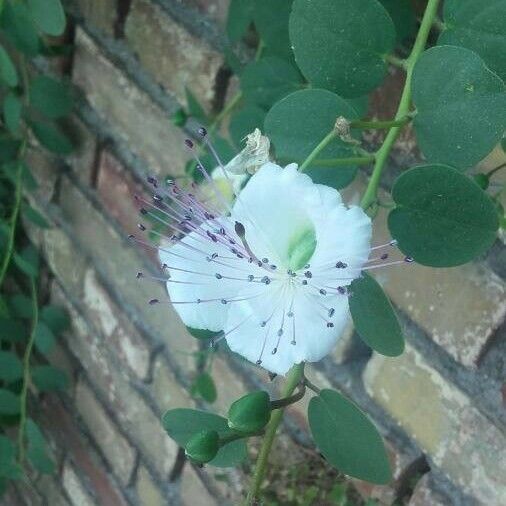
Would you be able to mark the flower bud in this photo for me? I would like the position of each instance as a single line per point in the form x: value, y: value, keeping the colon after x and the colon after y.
x: 203, y: 446
x: 250, y: 413
x: 179, y: 118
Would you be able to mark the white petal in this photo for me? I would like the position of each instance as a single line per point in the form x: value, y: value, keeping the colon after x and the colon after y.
x: 185, y: 288
x: 308, y: 326
x: 273, y: 207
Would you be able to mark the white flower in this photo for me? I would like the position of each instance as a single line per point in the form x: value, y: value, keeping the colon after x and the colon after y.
x: 272, y: 273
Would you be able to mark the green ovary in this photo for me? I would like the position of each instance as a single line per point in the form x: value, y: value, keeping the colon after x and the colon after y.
x: 301, y: 248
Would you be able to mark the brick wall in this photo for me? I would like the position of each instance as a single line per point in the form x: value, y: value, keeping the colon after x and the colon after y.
x: 440, y: 405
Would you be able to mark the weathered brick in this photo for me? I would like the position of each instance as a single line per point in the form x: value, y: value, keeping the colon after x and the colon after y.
x: 102, y: 15
x: 74, y: 488
x: 120, y: 333
x: 214, y: 9
x: 63, y: 428
x: 166, y: 390
x: 424, y: 494
x: 131, y: 410
x: 228, y: 385
x: 82, y: 159
x: 29, y: 495
x: 61, y: 359
x: 134, y: 116
x: 193, y: 491
x: 189, y: 63
x: 115, y: 447
x: 61, y: 254
x: 45, y: 169
x: 51, y: 490
x: 117, y: 258
x: 444, y: 422
x: 148, y: 493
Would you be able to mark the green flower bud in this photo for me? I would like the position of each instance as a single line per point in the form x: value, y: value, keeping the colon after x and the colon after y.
x: 250, y: 413
x: 203, y: 446
x: 179, y: 118
x: 482, y: 180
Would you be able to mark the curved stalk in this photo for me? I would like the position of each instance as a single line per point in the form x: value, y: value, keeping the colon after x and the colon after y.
x: 403, y: 109
x: 292, y: 380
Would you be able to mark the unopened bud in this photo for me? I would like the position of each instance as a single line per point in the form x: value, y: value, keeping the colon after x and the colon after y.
x: 203, y: 446
x: 250, y: 413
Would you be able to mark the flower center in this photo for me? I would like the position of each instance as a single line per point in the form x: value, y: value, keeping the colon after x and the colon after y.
x: 301, y: 247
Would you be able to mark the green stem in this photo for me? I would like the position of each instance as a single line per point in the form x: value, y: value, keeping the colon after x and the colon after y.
x: 316, y: 151
x: 378, y: 125
x: 403, y: 109
x: 292, y: 399
x: 311, y: 386
x: 395, y: 60
x: 292, y: 380
x: 26, y: 374
x: 439, y: 24
x: 352, y: 160
x: 496, y: 169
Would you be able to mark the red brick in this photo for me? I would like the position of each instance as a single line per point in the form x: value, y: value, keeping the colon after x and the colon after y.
x: 116, y: 188
x: 68, y: 435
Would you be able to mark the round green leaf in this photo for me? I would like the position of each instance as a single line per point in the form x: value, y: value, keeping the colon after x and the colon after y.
x: 18, y: 26
x: 44, y: 338
x: 51, y: 97
x: 203, y: 446
x: 181, y: 424
x: 347, y: 438
x: 9, y: 149
x: 250, y: 413
x: 297, y: 124
x: 272, y: 25
x: 12, y: 330
x: 477, y: 25
x: 31, y: 214
x: 26, y: 264
x: 8, y: 72
x: 21, y: 306
x: 52, y: 137
x: 374, y: 317
x: 244, y: 122
x: 48, y: 378
x: 9, y: 402
x: 12, y: 109
x: 11, y: 368
x: 404, y: 17
x: 48, y: 15
x: 340, y: 45
x: 56, y: 318
x: 37, y: 451
x: 9, y: 468
x: 204, y: 387
x: 461, y: 106
x: 240, y: 16
x: 442, y: 218
x: 265, y: 81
